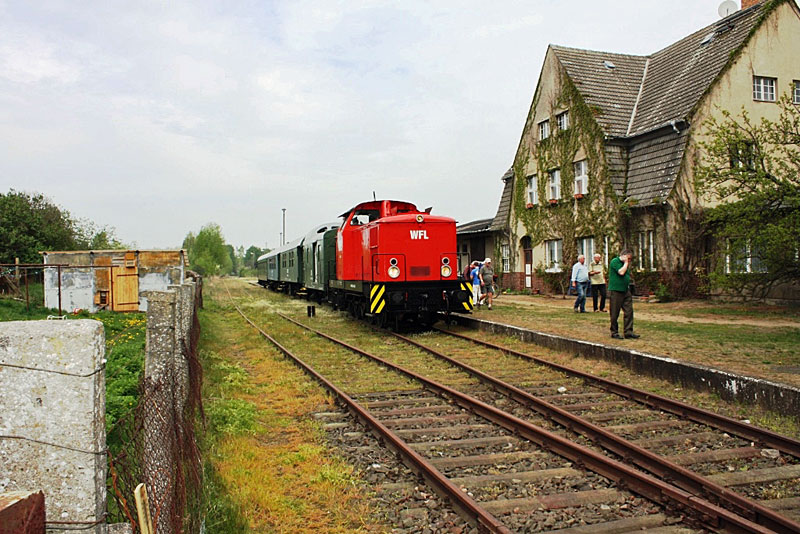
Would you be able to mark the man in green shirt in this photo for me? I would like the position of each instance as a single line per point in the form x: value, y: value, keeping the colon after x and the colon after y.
x: 619, y: 293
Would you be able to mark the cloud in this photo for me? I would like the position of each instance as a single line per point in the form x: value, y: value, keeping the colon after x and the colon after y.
x: 158, y: 117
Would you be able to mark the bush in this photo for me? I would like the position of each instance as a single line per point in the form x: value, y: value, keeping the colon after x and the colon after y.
x: 663, y: 293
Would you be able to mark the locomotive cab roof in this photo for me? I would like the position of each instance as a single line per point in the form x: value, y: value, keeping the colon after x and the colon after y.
x: 384, y: 208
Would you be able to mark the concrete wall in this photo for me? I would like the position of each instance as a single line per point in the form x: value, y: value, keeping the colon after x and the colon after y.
x: 52, y: 381
x: 77, y: 289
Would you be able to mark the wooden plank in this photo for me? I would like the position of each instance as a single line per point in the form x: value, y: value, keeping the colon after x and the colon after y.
x: 517, y: 478
x: 621, y: 526
x: 143, y: 509
x: 553, y: 502
x: 485, y: 459
x: 757, y: 476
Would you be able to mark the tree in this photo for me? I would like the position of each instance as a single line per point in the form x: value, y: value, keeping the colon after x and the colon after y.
x: 31, y: 223
x: 751, y: 171
x: 93, y: 237
x: 252, y: 254
x: 208, y: 253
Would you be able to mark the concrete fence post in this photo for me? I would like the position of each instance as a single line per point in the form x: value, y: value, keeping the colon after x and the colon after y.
x: 52, y: 418
x: 159, y: 453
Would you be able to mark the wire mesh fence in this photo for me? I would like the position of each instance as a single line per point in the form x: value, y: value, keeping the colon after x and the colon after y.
x: 156, y: 442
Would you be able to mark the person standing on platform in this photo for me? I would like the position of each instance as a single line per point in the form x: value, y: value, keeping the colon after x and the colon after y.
x: 580, y: 281
x: 619, y: 294
x: 487, y: 281
x: 598, y: 280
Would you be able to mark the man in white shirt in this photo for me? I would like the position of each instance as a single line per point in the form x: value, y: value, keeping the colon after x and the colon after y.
x: 580, y: 281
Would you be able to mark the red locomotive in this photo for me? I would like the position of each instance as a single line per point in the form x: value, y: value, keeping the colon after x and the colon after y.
x: 387, y: 261
x: 394, y: 262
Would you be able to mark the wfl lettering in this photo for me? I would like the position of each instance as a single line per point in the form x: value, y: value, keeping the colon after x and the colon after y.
x: 419, y: 234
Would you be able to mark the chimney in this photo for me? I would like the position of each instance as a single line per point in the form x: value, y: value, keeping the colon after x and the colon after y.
x: 749, y: 3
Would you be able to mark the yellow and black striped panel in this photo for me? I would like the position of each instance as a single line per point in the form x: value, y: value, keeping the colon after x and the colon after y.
x: 467, y: 286
x: 376, y: 300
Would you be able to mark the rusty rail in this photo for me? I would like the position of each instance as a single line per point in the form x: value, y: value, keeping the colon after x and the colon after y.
x: 709, y: 515
x: 469, y: 508
x: 653, y: 463
x: 752, y: 433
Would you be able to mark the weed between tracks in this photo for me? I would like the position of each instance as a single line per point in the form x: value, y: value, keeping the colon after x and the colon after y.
x: 267, y: 466
x: 263, y: 403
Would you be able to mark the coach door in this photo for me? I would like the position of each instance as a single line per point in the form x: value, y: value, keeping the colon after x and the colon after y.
x: 125, y: 281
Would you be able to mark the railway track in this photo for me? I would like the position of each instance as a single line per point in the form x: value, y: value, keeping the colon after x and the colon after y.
x: 510, y: 461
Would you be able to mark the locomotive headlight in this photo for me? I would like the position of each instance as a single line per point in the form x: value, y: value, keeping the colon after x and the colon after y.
x: 420, y: 218
x: 394, y: 271
x: 446, y: 271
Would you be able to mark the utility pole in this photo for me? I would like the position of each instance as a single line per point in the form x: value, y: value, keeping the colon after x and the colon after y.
x: 284, y: 226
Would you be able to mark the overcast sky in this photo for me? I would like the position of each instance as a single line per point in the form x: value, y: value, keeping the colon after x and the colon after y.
x: 159, y: 117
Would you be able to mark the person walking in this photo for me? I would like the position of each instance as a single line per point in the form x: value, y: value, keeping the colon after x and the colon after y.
x: 475, y: 276
x: 619, y: 294
x: 580, y: 281
x: 487, y: 281
x: 598, y: 280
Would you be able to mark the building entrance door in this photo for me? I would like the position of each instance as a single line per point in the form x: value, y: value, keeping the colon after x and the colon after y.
x: 528, y: 268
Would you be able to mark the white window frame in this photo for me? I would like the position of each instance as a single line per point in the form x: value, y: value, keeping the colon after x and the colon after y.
x: 796, y: 95
x: 532, y: 192
x: 554, y: 184
x: 764, y: 88
x: 750, y: 266
x: 505, y: 253
x: 562, y: 120
x: 581, y: 177
x: 554, y: 254
x: 586, y: 246
x: 544, y: 129
x: 647, y: 250
x: 605, y: 249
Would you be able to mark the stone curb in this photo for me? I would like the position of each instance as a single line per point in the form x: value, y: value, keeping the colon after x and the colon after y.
x: 780, y: 398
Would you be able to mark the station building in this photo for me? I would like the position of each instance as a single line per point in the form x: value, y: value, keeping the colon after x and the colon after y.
x: 606, y: 155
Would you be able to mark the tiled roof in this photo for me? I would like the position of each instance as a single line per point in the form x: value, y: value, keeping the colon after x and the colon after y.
x: 500, y: 220
x: 610, y: 91
x: 638, y: 99
x: 653, y: 165
x: 474, y: 227
x: 679, y: 75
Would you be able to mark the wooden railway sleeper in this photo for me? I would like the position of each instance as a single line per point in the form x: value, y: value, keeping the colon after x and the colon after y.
x: 638, y: 481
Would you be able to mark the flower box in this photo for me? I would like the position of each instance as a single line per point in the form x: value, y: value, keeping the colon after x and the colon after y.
x: 553, y: 201
x: 529, y: 205
x: 579, y: 195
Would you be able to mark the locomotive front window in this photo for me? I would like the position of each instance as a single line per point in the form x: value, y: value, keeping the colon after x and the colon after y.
x: 362, y: 217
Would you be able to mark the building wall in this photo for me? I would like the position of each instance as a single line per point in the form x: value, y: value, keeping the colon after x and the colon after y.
x: 772, y: 52
x: 156, y: 271
x: 571, y: 218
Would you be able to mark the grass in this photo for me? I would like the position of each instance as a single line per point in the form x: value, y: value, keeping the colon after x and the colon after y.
x: 268, y: 467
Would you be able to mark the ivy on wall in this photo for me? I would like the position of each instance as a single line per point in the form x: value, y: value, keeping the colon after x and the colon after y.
x: 597, y: 213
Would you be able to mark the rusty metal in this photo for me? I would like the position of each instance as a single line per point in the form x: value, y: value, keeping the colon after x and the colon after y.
x: 710, y: 515
x: 759, y: 435
x: 22, y: 512
x: 59, y: 290
x: 469, y: 507
x: 658, y: 465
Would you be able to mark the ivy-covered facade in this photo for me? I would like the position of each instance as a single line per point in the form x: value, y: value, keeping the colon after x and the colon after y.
x: 605, y: 157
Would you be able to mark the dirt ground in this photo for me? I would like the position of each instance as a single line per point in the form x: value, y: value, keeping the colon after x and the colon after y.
x: 704, y: 312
